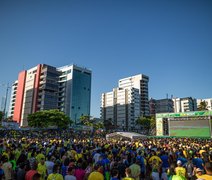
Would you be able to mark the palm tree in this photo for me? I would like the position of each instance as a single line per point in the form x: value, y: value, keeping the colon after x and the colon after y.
x: 202, y: 106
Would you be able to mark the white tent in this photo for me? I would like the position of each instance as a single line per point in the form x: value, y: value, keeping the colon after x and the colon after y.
x: 130, y: 135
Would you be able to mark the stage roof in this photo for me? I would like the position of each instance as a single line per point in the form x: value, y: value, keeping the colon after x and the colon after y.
x: 131, y: 135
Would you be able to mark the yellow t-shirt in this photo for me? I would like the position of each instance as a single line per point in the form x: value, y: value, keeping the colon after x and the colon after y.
x: 6, y: 155
x: 158, y: 160
x: 55, y: 177
x: 95, y: 176
x: 180, y: 171
x: 128, y: 178
x: 42, y: 170
x: 206, y: 177
x: 77, y: 156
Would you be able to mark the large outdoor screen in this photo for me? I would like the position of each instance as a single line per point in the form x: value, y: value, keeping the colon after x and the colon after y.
x: 189, y: 128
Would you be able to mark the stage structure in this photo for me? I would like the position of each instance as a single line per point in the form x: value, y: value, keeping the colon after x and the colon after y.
x: 125, y: 135
x: 186, y: 124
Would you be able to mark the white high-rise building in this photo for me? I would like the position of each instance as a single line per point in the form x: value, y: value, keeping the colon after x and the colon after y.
x: 139, y: 82
x: 208, y: 102
x: 12, y: 99
x: 184, y: 104
x: 125, y: 104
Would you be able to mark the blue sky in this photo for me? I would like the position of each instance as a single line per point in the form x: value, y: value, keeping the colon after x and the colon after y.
x: 170, y: 41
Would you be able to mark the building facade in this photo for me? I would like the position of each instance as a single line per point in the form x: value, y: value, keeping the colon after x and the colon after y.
x: 45, y: 87
x: 184, y: 104
x: 74, y: 91
x: 139, y: 82
x: 125, y: 104
x: 161, y: 106
x: 12, y: 99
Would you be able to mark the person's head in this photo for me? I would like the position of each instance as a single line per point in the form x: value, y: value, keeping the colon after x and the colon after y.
x: 199, y: 171
x: 4, y: 158
x: 208, y: 167
x: 71, y: 170
x: 128, y: 172
x: 179, y: 163
x: 66, y: 161
x: 171, y: 169
x: 56, y: 168
x: 114, y: 173
x: 34, y: 166
x: 42, y: 160
x: 36, y: 176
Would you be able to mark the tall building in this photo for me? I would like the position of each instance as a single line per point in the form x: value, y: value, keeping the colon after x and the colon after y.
x: 74, y: 91
x: 184, y: 104
x: 207, y: 101
x: 152, y: 106
x: 45, y: 87
x: 12, y: 99
x: 139, y: 82
x: 125, y: 104
x: 161, y: 106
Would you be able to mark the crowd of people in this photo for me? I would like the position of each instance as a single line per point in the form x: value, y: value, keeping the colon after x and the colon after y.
x: 79, y: 155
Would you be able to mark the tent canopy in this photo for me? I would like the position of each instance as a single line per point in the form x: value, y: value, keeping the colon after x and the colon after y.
x: 130, y: 135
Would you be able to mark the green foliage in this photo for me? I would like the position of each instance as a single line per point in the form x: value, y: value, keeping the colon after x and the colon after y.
x: 86, y: 120
x: 152, y: 122
x: 144, y: 121
x: 46, y: 118
x: 108, y: 124
x: 147, y: 123
x: 203, y: 106
x: 99, y: 125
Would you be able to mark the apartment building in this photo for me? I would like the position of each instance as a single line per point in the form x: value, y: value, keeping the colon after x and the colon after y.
x: 184, y: 104
x: 161, y: 106
x: 126, y: 103
x: 46, y: 87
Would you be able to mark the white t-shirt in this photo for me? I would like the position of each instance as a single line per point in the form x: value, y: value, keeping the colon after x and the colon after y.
x: 96, y: 157
x: 70, y: 177
x: 7, y: 168
x: 49, y: 166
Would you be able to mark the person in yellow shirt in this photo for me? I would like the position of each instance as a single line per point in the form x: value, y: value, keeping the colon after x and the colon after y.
x: 39, y: 157
x: 42, y: 170
x: 180, y: 171
x: 208, y: 169
x: 55, y: 175
x: 156, y: 158
x: 198, y: 172
x: 128, y: 174
x: 96, y: 174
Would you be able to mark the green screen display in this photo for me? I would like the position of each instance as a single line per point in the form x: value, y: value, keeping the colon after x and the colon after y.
x: 190, y: 128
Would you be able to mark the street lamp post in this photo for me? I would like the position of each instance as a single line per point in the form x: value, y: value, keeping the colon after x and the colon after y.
x: 5, y: 103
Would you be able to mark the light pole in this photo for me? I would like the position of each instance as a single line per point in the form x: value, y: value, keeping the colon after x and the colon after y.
x: 5, y: 103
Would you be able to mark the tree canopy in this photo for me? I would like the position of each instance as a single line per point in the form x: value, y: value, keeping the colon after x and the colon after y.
x: 87, y: 121
x: 202, y: 106
x: 47, y: 118
x: 147, y: 123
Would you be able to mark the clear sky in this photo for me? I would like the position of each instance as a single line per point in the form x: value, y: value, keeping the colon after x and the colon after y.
x: 168, y: 40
